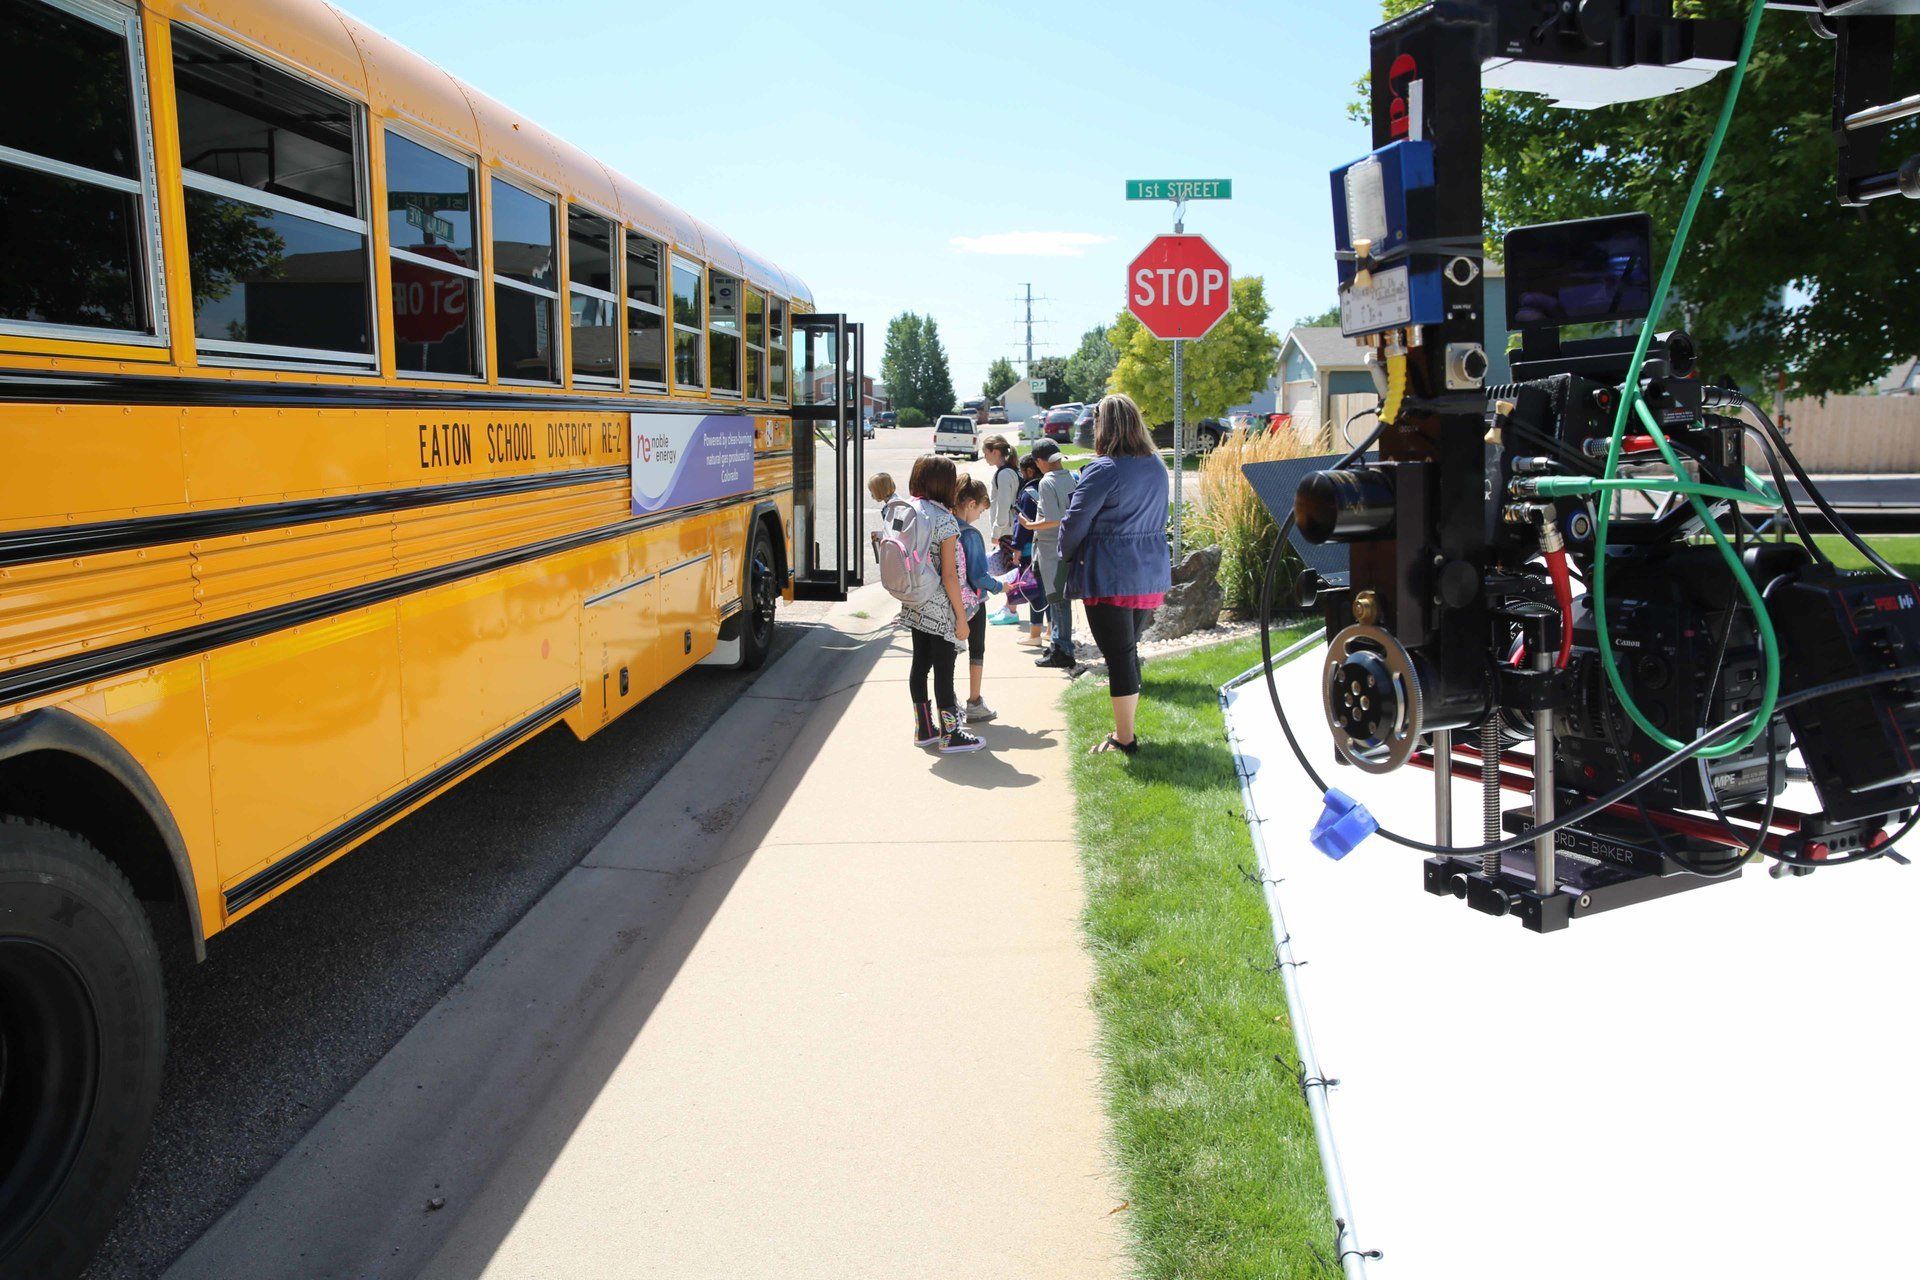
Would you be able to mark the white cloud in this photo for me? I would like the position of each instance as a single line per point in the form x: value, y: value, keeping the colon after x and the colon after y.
x: 1031, y: 244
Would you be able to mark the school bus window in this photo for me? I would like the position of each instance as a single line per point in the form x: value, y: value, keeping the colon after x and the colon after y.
x: 723, y: 324
x: 689, y: 332
x: 646, y: 318
x: 75, y: 198
x: 590, y: 299
x: 436, y: 260
x: 776, y: 349
x: 276, y: 241
x: 524, y: 280
x: 756, y: 338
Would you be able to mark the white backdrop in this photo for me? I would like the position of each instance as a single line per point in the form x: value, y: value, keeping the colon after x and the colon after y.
x: 1721, y: 1083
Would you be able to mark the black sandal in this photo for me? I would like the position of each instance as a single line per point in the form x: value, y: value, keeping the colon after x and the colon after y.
x: 1114, y: 744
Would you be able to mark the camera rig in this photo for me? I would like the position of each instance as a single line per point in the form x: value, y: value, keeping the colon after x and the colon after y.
x: 1563, y: 560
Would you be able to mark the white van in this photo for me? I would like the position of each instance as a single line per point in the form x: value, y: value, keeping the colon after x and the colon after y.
x: 956, y: 433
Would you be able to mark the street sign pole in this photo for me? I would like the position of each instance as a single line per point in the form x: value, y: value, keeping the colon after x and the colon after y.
x: 1179, y: 287
x: 1179, y: 406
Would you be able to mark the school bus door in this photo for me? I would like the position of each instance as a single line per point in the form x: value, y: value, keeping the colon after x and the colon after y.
x: 829, y: 457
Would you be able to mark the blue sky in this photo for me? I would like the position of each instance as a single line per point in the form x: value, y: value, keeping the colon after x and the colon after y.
x: 877, y: 149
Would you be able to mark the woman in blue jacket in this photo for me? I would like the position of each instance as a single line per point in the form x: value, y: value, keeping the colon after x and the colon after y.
x: 1113, y: 541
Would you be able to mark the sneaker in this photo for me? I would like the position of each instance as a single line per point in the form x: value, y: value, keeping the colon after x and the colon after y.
x: 957, y: 739
x: 1054, y: 658
x: 1004, y: 618
x: 977, y: 710
x: 926, y: 731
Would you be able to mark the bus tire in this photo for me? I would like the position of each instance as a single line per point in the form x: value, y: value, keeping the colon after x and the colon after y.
x: 761, y: 596
x: 82, y: 1037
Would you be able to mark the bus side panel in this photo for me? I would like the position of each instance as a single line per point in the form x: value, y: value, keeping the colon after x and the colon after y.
x: 622, y: 661
x: 64, y: 463
x: 160, y: 718
x: 305, y: 730
x: 479, y: 654
x: 689, y: 622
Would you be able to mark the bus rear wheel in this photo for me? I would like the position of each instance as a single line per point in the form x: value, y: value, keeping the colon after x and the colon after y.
x: 82, y: 1035
x: 763, y: 594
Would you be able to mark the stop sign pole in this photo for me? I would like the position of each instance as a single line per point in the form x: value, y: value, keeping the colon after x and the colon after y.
x: 1181, y: 293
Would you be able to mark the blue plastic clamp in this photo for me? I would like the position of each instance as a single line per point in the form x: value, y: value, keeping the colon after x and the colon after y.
x: 1343, y: 824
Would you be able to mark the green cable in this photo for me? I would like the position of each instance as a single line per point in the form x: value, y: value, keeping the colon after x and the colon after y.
x: 1630, y: 400
x: 1582, y: 486
x: 1770, y: 690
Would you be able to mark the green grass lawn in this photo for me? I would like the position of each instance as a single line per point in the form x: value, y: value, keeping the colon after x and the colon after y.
x: 1078, y: 456
x: 1214, y: 1139
x: 1901, y: 550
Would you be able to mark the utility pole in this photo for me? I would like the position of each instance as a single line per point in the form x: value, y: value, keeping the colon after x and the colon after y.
x: 1029, y: 368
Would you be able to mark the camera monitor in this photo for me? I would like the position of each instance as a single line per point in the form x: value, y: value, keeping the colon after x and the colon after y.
x: 1595, y: 269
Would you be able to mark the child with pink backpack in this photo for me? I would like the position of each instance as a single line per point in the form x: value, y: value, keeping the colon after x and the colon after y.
x: 919, y: 554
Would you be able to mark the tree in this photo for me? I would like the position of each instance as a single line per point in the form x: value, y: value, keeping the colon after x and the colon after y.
x: 1054, y: 370
x: 1000, y: 376
x: 1222, y: 369
x: 900, y: 360
x: 1089, y: 368
x: 1778, y: 277
x: 936, y: 378
x: 914, y: 365
x: 1329, y: 317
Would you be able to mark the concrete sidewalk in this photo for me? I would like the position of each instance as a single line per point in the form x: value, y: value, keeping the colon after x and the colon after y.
x: 816, y: 1009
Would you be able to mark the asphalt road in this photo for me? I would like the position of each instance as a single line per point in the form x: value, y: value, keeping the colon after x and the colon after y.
x: 296, y: 1003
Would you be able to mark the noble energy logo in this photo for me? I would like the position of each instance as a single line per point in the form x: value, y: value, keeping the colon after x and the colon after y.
x: 680, y: 459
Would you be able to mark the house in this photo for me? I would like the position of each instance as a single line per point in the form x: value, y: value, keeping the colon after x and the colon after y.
x: 1323, y: 381
x: 1019, y: 401
x: 818, y: 389
x: 1901, y: 380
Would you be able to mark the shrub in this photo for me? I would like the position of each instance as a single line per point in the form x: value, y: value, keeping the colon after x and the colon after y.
x: 912, y: 417
x: 1230, y: 514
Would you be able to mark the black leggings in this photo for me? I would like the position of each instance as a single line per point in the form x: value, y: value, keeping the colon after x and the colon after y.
x: 1117, y: 630
x: 936, y: 654
x: 977, y: 635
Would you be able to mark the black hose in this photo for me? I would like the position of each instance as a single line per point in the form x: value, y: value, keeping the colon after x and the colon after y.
x: 1786, y: 498
x: 1840, y: 526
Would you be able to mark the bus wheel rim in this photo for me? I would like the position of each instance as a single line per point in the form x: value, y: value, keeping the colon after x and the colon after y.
x: 763, y: 594
x: 49, y: 1063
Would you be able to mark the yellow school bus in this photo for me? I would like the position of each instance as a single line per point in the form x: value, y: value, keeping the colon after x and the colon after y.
x: 353, y: 430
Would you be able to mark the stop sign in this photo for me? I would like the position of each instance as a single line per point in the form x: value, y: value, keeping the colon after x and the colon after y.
x: 1179, y: 287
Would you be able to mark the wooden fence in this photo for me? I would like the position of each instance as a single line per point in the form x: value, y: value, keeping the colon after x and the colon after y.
x: 1863, y: 434
x: 1872, y: 435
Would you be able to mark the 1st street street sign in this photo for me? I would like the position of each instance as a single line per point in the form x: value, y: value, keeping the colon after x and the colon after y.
x: 1180, y: 188
x: 1179, y: 286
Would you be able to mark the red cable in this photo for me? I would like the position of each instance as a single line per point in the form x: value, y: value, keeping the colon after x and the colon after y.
x: 1563, y: 595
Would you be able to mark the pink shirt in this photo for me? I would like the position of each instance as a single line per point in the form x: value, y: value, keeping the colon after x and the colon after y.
x: 1152, y: 600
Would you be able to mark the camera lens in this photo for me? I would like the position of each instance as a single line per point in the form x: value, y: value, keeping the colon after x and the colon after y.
x: 1344, y: 506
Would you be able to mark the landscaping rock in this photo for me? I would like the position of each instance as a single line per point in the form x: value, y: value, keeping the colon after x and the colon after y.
x: 1194, y: 600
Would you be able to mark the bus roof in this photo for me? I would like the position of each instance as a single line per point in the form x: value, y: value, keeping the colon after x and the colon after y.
x: 400, y: 86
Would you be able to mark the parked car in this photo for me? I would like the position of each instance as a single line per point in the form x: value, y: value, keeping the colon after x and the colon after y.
x: 886, y: 418
x: 996, y: 415
x: 1203, y: 436
x: 957, y: 433
x: 1083, y: 425
x: 1059, y: 425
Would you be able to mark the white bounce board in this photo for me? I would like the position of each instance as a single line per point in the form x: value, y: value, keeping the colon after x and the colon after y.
x: 1718, y: 1083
